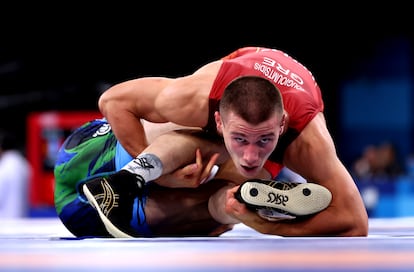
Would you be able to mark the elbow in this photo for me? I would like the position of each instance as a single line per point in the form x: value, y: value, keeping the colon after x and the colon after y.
x: 356, y: 226
x: 115, y: 99
x: 359, y: 230
x: 103, y: 102
x: 110, y: 98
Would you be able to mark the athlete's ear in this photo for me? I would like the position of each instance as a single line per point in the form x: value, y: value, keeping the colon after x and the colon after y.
x: 219, y: 122
x: 282, y: 124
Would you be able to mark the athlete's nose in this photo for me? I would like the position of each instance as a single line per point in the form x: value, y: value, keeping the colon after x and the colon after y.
x: 251, y: 154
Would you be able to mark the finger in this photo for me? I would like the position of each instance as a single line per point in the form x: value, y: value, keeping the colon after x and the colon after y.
x: 188, y: 170
x: 211, y: 169
x: 212, y: 174
x: 194, y: 168
x: 213, y: 160
x: 199, y: 158
x: 210, y: 164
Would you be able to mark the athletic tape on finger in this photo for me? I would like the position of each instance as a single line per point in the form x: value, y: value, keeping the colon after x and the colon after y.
x: 212, y: 174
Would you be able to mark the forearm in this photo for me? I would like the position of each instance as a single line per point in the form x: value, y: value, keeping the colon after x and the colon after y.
x: 130, y: 134
x: 127, y: 128
x: 346, y: 216
x: 126, y: 104
x: 216, y: 207
x: 326, y: 223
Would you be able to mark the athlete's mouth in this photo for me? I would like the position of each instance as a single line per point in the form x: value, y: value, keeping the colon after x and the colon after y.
x: 249, y: 168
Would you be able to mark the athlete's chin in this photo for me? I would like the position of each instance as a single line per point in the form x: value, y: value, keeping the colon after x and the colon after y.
x: 249, y: 172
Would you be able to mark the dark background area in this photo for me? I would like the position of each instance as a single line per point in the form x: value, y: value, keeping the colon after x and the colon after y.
x: 63, y: 58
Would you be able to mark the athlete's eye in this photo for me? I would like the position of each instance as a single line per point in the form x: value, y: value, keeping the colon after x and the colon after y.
x: 239, y: 140
x: 265, y: 140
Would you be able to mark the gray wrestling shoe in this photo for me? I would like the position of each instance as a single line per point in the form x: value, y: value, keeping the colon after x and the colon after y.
x: 113, y: 197
x: 275, y: 200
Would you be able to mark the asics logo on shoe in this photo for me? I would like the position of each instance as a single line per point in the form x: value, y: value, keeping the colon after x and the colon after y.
x: 107, y: 199
x: 277, y: 199
x: 140, y: 163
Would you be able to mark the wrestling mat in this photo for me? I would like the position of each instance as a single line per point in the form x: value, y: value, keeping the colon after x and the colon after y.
x: 43, y: 244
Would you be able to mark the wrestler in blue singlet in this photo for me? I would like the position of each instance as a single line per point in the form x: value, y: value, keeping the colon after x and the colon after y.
x: 90, y: 151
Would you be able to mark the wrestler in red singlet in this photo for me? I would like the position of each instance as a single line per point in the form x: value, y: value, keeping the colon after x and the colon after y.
x: 302, y: 98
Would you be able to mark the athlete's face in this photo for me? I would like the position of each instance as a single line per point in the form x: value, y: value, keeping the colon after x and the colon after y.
x: 248, y: 145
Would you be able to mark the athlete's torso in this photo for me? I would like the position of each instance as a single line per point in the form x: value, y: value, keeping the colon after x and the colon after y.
x: 301, y: 94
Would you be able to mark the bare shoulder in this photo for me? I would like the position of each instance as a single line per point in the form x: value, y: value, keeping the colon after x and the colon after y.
x: 210, y: 68
x: 190, y: 95
x: 200, y: 81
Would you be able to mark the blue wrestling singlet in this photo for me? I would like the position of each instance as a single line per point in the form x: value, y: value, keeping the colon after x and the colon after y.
x: 91, y: 151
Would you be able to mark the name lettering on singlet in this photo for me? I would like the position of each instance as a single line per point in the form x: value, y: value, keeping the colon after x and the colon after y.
x: 275, y: 72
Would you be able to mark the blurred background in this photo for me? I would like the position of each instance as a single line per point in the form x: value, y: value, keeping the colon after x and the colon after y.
x: 56, y: 61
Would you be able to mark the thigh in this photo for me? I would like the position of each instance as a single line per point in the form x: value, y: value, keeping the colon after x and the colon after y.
x: 182, y: 211
x: 153, y: 130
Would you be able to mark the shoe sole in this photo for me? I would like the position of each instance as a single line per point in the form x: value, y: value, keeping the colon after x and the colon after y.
x: 111, y: 228
x: 304, y: 199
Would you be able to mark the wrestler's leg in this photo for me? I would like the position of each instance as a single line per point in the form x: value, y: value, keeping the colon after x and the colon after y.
x: 172, y: 146
x: 177, y: 148
x: 82, y: 156
x: 217, y: 201
x: 173, y: 150
x: 183, y: 211
x: 153, y: 130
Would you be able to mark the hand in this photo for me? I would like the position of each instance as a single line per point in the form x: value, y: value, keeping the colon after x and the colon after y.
x: 241, y: 212
x: 190, y: 176
x: 234, y: 207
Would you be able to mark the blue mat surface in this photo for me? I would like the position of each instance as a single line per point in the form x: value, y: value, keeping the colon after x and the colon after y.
x: 43, y: 244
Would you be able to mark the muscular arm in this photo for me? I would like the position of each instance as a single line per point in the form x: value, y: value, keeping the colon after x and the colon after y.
x: 313, y: 156
x: 125, y: 104
x: 183, y: 101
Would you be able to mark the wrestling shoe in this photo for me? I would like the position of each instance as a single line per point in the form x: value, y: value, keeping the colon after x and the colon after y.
x: 113, y: 197
x: 275, y: 200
